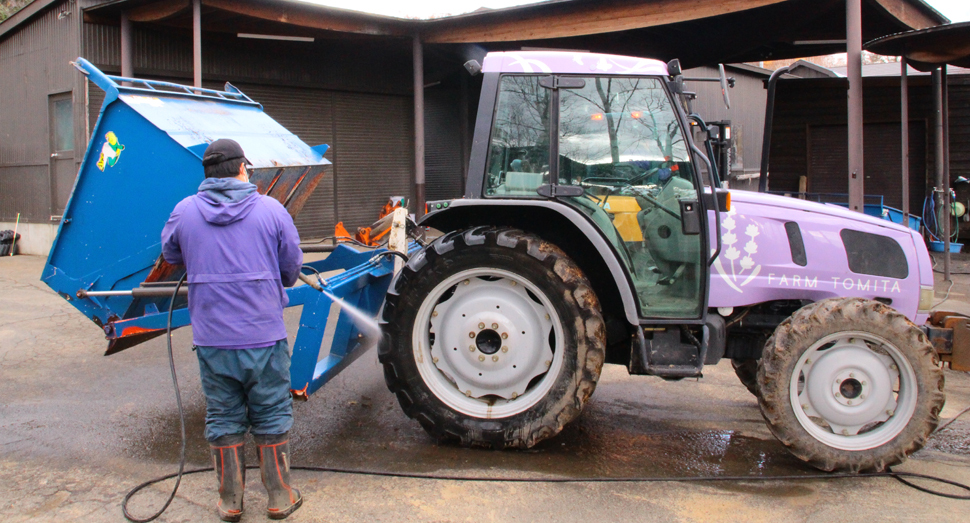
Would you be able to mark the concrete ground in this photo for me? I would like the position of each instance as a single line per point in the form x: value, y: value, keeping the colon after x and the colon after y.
x: 78, y: 430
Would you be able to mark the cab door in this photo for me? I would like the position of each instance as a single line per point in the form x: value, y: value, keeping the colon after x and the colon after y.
x: 621, y: 141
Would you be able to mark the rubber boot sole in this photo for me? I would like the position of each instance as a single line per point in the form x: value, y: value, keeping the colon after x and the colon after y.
x: 283, y: 514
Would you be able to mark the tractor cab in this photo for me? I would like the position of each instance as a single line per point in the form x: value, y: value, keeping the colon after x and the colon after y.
x: 605, y: 136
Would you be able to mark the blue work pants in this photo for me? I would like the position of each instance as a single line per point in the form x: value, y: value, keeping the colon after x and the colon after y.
x: 246, y: 389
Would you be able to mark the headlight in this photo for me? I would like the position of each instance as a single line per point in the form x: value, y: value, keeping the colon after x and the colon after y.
x: 926, y: 295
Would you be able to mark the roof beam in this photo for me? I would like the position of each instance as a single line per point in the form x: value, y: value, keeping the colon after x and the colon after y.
x: 578, y: 18
x: 313, y: 16
x: 909, y: 12
x: 157, y: 11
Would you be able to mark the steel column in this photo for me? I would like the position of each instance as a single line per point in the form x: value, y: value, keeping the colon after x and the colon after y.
x: 904, y: 125
x: 947, y: 203
x: 937, y: 134
x: 126, y: 46
x: 418, y: 54
x: 197, y: 43
x: 853, y: 23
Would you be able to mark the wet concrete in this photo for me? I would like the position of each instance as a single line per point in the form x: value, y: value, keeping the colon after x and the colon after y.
x: 77, y: 430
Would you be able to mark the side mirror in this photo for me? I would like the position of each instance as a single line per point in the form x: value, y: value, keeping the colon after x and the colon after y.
x: 724, y: 85
x: 673, y: 67
x: 473, y: 67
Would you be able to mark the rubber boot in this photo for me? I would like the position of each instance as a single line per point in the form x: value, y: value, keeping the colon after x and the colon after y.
x: 229, y: 461
x: 274, y: 467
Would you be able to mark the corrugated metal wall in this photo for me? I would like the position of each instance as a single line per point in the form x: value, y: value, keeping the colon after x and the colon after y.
x: 34, y: 61
x: 828, y: 161
x: 351, y: 64
x: 308, y: 113
x: 747, y: 112
x: 373, y: 153
x: 443, y: 155
x: 810, y: 119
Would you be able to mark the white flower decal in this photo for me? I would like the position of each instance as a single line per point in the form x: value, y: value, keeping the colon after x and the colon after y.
x: 746, y: 268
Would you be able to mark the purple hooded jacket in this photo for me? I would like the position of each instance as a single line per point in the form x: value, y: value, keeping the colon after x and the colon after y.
x: 240, y: 249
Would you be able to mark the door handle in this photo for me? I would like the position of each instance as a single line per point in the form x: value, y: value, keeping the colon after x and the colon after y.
x: 54, y: 155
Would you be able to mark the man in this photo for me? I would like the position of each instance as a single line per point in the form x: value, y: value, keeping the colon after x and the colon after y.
x: 239, y: 249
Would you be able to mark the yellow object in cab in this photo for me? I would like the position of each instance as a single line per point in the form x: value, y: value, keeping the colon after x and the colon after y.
x: 624, y: 210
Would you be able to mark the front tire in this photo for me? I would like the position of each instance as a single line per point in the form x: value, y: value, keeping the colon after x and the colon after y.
x: 850, y: 384
x: 492, y: 337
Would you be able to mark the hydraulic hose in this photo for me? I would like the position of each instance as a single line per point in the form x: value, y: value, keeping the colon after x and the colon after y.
x: 178, y: 402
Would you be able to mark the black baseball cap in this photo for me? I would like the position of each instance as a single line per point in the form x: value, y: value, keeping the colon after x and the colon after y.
x: 223, y: 150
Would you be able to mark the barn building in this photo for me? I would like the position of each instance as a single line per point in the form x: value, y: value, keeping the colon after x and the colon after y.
x: 347, y: 79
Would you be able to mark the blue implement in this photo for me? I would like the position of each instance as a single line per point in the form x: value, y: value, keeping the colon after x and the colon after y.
x: 143, y: 158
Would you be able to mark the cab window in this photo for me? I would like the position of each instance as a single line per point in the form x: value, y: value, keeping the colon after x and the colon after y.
x: 518, y: 160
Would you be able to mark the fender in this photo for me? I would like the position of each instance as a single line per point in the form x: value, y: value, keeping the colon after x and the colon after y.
x: 466, y: 212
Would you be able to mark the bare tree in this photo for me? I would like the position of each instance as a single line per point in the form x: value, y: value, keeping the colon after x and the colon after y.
x: 9, y: 7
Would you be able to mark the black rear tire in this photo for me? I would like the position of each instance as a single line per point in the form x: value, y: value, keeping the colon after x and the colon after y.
x: 747, y: 371
x: 552, y: 399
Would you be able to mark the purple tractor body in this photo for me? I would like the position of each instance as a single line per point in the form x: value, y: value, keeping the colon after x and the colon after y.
x: 756, y: 266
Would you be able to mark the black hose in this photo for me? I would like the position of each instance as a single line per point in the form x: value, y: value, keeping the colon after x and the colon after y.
x: 395, y: 253
x: 178, y: 402
x: 902, y: 477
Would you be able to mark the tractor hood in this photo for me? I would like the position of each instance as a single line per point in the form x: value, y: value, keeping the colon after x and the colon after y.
x: 779, y: 248
x: 796, y: 204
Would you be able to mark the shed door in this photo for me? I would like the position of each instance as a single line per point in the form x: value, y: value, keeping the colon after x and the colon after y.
x: 60, y: 110
x: 829, y: 160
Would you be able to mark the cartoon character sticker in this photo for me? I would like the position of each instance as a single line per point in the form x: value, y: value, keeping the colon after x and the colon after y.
x: 746, y: 268
x: 110, y: 151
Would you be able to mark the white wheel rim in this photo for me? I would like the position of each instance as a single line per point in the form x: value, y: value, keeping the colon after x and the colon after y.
x: 463, y: 367
x: 853, y: 391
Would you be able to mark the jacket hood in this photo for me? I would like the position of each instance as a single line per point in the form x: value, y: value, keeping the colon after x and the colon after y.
x: 225, y: 200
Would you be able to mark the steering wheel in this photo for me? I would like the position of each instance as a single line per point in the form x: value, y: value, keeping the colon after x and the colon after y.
x: 627, y: 183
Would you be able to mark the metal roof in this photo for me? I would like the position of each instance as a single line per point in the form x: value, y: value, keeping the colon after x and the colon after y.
x: 927, y: 49
x: 699, y: 33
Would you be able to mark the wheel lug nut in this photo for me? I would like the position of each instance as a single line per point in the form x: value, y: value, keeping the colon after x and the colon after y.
x: 471, y: 334
x: 851, y: 374
x: 434, y: 314
x: 893, y: 367
x: 481, y: 325
x: 494, y: 358
x: 481, y: 358
x: 505, y: 349
x: 838, y: 395
x: 471, y: 348
x: 494, y: 325
x: 515, y: 395
x: 468, y: 393
x: 547, y: 316
x: 434, y: 360
x: 845, y: 432
x: 849, y: 402
x: 514, y: 284
x: 548, y: 363
x: 889, y: 413
x: 505, y: 335
x: 466, y: 282
x: 862, y: 397
x: 808, y: 362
